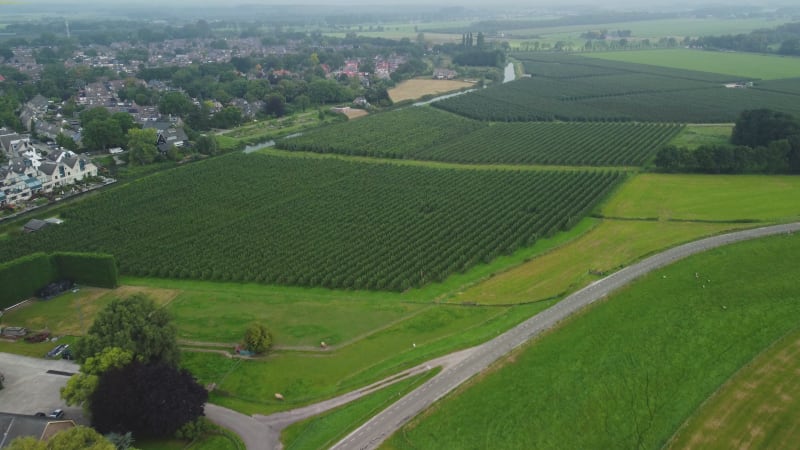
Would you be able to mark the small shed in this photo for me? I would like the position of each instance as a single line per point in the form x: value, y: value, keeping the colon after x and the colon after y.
x: 34, y: 225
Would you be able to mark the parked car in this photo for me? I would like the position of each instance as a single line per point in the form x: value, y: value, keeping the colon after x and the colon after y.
x: 57, y: 351
x: 56, y: 414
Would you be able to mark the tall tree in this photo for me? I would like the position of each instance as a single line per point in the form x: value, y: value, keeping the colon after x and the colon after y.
x: 142, y: 146
x: 146, y: 399
x: 81, y: 385
x: 134, y: 324
x: 757, y: 127
x: 257, y: 338
x: 207, y: 144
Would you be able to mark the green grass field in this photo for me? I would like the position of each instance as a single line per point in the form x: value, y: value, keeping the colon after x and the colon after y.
x: 694, y: 136
x: 755, y: 409
x: 305, y: 377
x: 656, y: 28
x: 707, y: 198
x: 745, y: 65
x: 322, y: 431
x: 630, y: 370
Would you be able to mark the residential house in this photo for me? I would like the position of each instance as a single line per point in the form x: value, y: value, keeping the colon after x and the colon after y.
x: 33, y: 111
x: 29, y: 173
x: 168, y: 135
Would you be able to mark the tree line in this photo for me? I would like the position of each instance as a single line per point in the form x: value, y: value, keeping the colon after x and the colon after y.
x: 786, y: 38
x: 762, y: 141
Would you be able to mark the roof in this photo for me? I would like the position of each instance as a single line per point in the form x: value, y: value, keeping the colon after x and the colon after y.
x: 33, y: 183
x: 48, y: 167
x: 35, y: 225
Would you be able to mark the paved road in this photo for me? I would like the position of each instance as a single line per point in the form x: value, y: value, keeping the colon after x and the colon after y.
x: 264, y: 432
x: 379, y: 428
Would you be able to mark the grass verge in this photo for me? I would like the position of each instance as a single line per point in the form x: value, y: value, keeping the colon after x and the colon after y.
x: 322, y: 431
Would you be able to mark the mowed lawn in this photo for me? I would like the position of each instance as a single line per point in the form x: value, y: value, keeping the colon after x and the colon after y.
x: 756, y: 409
x: 419, y: 87
x: 708, y: 198
x: 71, y: 313
x: 629, y: 371
x: 744, y: 65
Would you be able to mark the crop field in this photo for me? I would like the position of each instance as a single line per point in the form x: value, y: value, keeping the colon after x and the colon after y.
x: 575, y: 88
x: 789, y: 86
x: 502, y: 143
x: 389, y: 135
x: 584, y: 144
x: 556, y: 65
x: 737, y: 64
x: 320, y: 222
x: 719, y: 198
x: 419, y: 87
x: 630, y: 370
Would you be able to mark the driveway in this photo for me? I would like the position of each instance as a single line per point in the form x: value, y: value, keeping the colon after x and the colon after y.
x: 29, y: 388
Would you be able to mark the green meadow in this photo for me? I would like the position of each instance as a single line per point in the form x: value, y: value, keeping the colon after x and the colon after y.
x: 744, y: 65
x: 693, y: 136
x: 629, y: 370
x: 714, y: 198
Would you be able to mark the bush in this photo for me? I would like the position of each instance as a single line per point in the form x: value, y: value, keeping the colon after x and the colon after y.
x: 94, y: 269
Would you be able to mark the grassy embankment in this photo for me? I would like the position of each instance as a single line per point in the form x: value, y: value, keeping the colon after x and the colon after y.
x: 754, y: 408
x: 630, y: 370
x: 745, y: 65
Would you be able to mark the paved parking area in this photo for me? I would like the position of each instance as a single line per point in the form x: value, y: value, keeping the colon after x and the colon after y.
x: 29, y: 388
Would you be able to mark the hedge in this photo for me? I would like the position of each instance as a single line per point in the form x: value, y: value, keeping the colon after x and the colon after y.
x: 23, y: 277
x: 94, y: 269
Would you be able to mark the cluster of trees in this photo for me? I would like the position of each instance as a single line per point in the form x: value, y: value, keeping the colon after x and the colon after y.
x: 785, y: 37
x: 763, y: 141
x: 129, y: 379
x: 491, y: 58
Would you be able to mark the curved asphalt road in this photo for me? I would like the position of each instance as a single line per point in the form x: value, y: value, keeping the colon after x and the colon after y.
x: 263, y: 432
x: 380, y: 427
